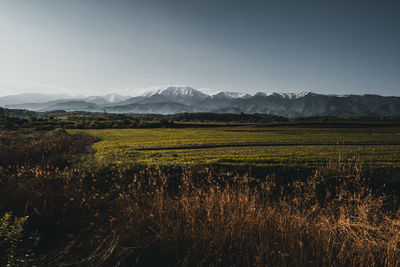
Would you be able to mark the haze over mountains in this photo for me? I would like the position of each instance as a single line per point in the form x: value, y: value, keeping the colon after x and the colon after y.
x: 180, y: 99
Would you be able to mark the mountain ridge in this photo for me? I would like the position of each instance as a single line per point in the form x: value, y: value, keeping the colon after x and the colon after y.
x: 178, y: 99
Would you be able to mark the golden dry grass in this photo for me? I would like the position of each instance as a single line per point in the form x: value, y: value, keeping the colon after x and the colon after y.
x: 331, y: 219
x: 135, y: 215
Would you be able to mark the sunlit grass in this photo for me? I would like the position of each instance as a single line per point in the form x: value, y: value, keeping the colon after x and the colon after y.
x: 244, y: 146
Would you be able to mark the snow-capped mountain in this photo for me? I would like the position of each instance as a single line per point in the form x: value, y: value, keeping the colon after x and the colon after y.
x: 234, y: 95
x: 180, y: 94
x: 177, y: 99
x: 291, y: 95
x: 98, y: 100
x: 105, y: 99
x: 115, y: 98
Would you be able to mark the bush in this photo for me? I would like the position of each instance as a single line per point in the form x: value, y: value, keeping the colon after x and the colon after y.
x: 16, y: 245
x: 44, y: 127
x: 55, y: 149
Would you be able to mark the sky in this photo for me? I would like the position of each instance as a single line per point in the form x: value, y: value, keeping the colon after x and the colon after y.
x: 120, y: 46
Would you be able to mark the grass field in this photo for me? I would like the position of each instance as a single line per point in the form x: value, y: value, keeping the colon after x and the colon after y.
x: 248, y: 145
x: 55, y: 210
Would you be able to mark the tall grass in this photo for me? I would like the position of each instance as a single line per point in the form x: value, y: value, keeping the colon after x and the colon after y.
x: 141, y: 215
x: 241, y: 221
x: 51, y: 149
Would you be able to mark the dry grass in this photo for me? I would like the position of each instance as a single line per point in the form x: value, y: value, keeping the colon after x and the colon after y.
x: 140, y: 216
x: 329, y: 219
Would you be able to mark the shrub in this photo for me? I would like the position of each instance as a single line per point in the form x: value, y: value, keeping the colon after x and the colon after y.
x: 16, y: 245
x: 54, y: 149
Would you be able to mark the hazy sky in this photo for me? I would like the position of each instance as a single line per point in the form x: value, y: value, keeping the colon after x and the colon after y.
x: 103, y: 46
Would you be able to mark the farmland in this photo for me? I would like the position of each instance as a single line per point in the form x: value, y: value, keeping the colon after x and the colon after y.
x: 58, y: 211
x: 191, y: 195
x: 248, y: 145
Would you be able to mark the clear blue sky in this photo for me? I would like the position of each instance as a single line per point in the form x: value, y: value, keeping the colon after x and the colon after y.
x: 101, y: 46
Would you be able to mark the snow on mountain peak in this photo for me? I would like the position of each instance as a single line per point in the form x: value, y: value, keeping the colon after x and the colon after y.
x: 159, y: 89
x: 177, y: 91
x: 291, y: 95
x: 232, y: 95
x: 209, y: 91
x: 181, y: 91
x: 303, y: 93
x: 114, y: 98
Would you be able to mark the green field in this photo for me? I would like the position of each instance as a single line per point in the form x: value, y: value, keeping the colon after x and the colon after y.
x: 248, y: 145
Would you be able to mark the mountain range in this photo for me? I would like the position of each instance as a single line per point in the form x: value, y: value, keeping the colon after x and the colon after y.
x: 180, y: 99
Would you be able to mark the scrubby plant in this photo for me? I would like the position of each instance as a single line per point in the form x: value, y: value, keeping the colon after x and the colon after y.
x: 16, y: 245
